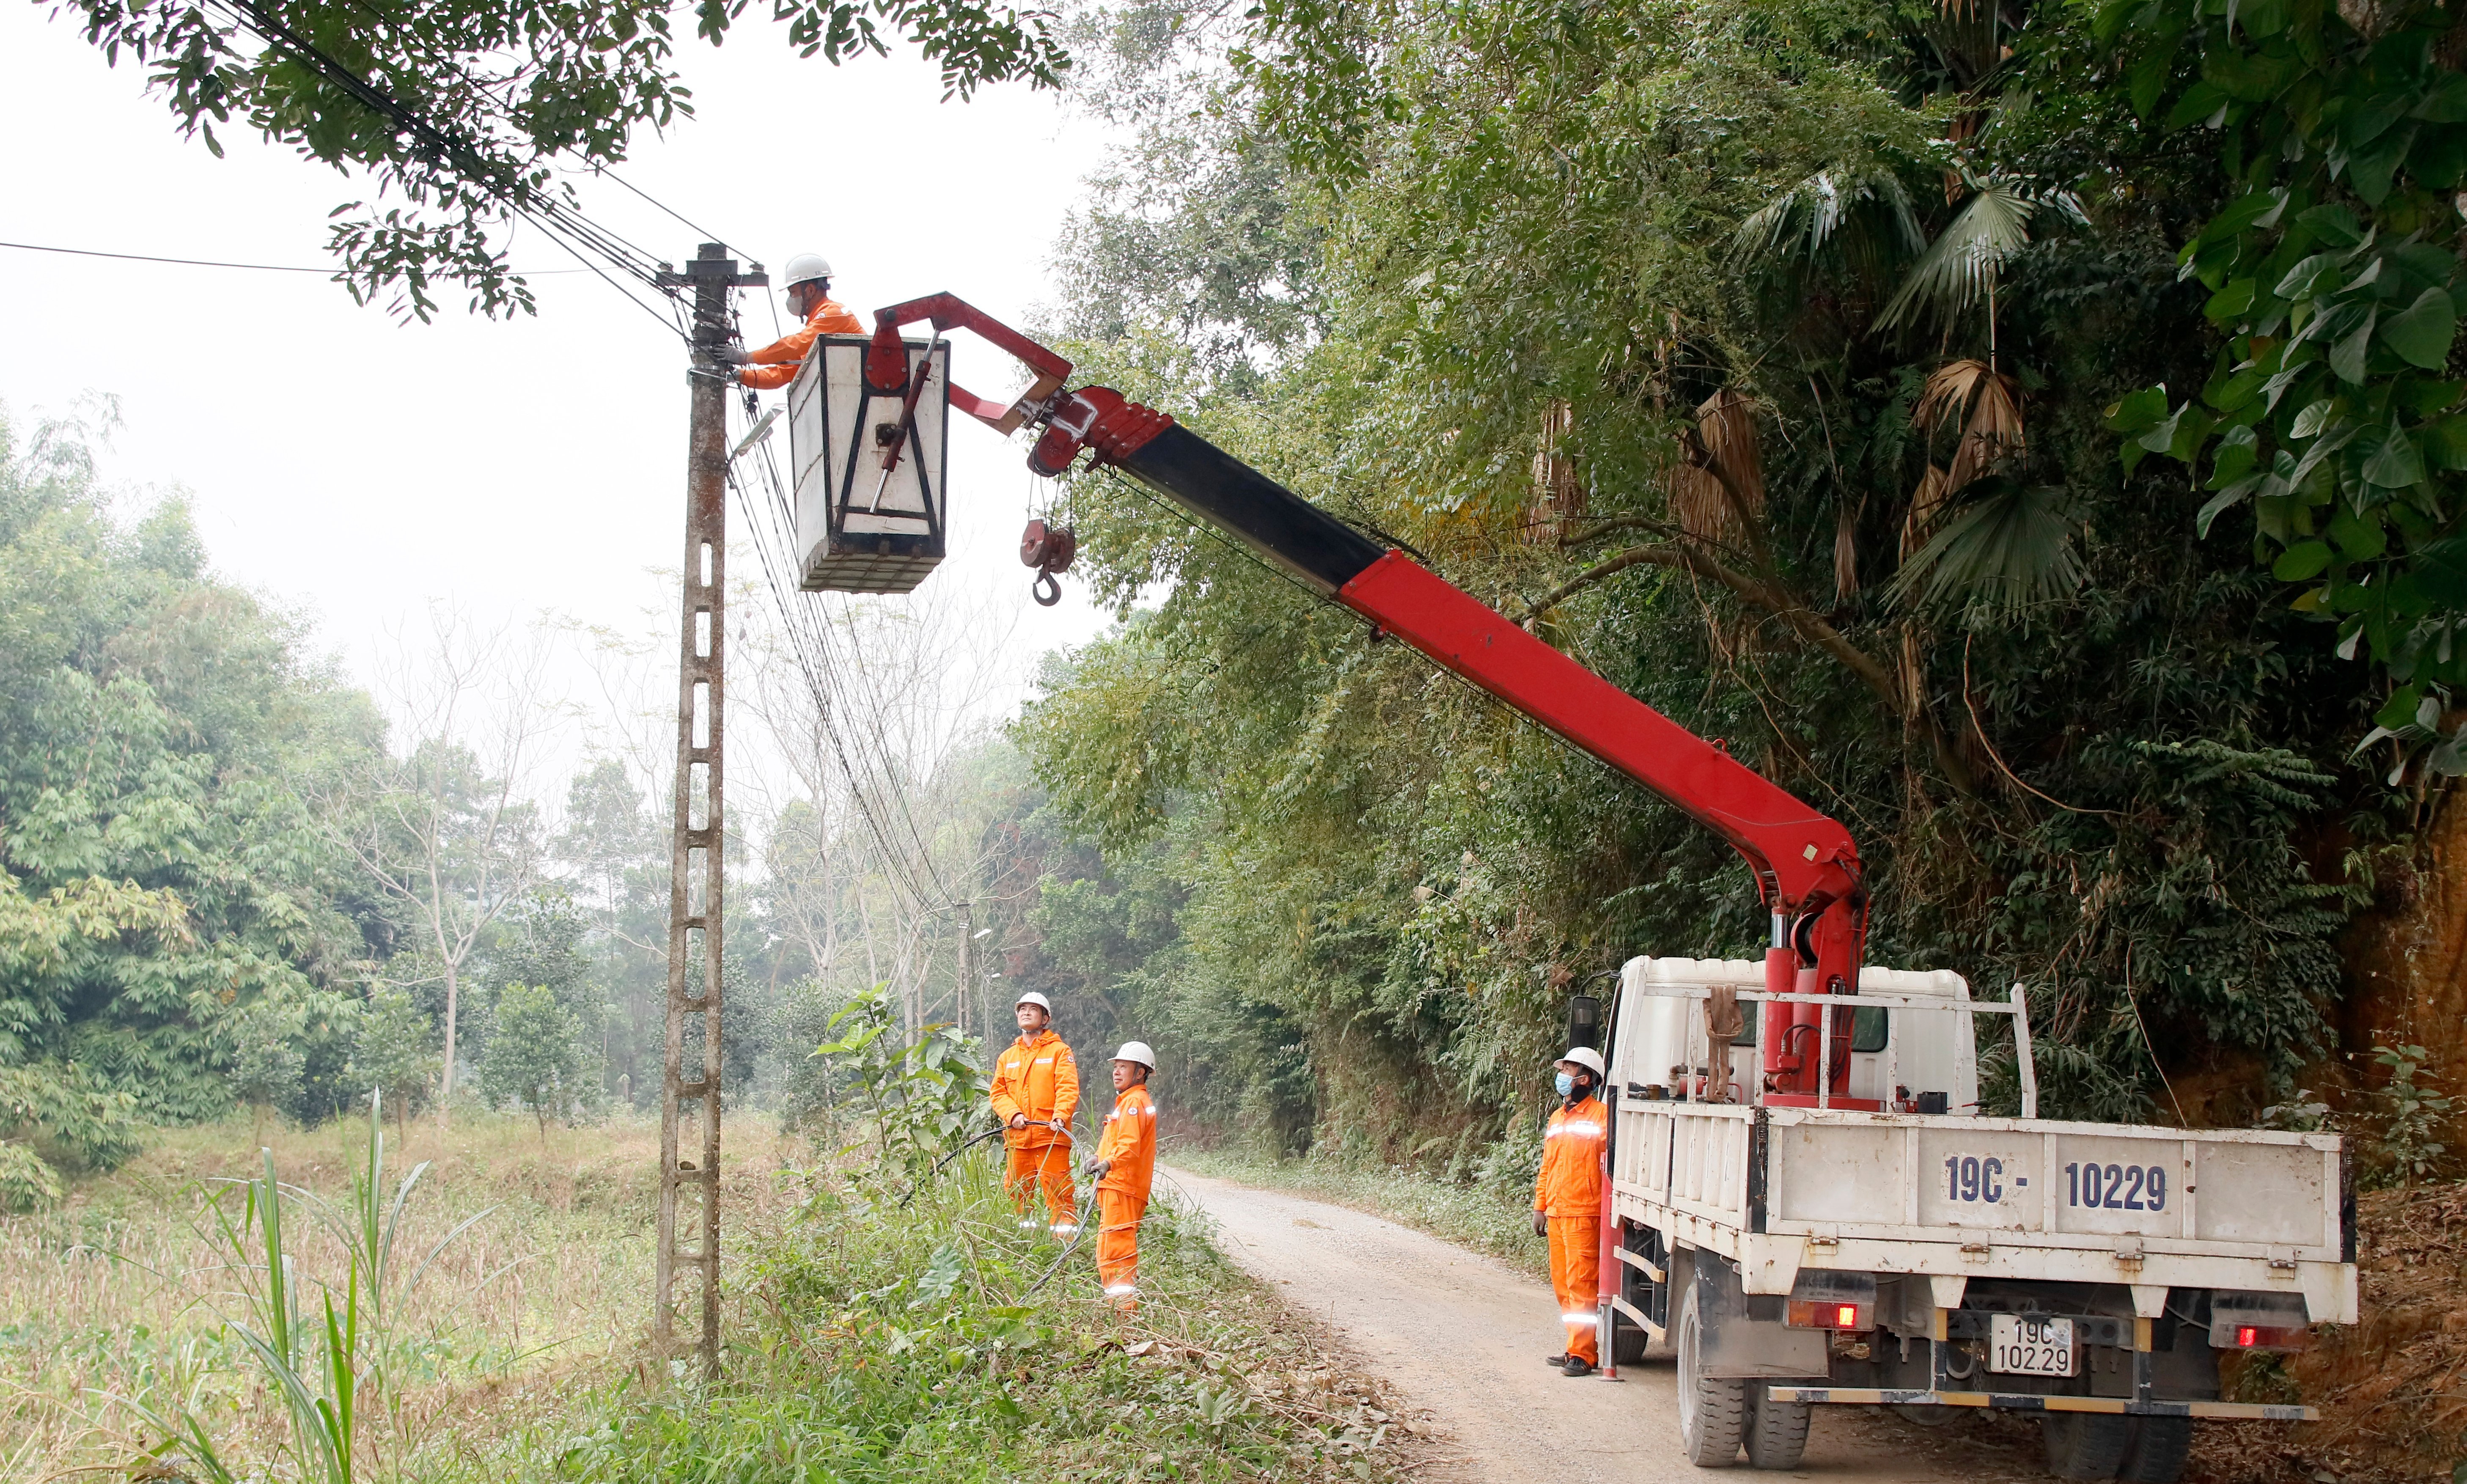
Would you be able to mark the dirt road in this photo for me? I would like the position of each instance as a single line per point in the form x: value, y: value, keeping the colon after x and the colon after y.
x: 1464, y: 1337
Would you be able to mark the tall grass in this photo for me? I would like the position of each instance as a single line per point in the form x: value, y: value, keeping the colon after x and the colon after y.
x: 128, y: 1293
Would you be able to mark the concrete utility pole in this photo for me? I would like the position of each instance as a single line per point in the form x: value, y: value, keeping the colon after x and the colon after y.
x: 689, y: 1187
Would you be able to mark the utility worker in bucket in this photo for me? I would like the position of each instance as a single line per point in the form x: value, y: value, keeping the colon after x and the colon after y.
x: 1124, y: 1165
x: 1568, y: 1203
x: 1035, y: 1093
x: 809, y: 298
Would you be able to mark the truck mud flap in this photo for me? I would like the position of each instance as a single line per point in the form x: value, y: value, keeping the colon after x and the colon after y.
x: 2024, y: 1401
x: 1745, y: 1334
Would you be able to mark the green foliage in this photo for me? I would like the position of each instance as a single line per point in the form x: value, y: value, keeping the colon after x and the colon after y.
x: 266, y: 1059
x: 481, y: 110
x: 2079, y: 747
x: 159, y: 736
x: 394, y: 1052
x: 2410, y: 1147
x: 534, y: 1056
x: 2330, y: 412
x: 909, y: 1103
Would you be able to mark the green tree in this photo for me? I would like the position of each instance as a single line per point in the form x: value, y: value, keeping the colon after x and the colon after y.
x: 266, y: 1058
x: 533, y: 1054
x: 393, y: 1052
x: 161, y: 735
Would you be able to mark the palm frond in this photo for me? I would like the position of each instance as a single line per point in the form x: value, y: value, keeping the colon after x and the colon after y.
x: 1993, y: 427
x: 2006, y: 551
x: 1798, y: 224
x: 1959, y: 266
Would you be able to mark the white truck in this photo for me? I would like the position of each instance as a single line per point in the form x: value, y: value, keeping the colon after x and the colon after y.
x: 1916, y: 1254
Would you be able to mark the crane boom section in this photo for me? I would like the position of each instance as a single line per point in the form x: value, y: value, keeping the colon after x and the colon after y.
x: 1803, y: 860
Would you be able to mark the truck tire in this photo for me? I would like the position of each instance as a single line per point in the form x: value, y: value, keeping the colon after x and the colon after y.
x: 1777, y: 1430
x: 2153, y: 1453
x: 1712, y: 1412
x: 2085, y: 1445
x: 1628, y: 1342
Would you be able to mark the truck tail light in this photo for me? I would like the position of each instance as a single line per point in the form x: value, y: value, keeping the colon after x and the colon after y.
x: 2264, y: 1336
x: 1827, y: 1314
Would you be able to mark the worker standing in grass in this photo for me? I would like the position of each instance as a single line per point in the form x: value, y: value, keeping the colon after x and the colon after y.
x: 1125, y: 1163
x: 1035, y: 1093
x: 1568, y: 1203
x: 809, y: 298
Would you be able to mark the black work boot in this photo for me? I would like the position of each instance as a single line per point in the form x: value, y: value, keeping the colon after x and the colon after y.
x: 1576, y: 1367
x: 1557, y: 1362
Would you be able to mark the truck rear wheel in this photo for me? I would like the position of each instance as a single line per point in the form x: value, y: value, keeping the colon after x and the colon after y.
x: 2085, y: 1445
x: 1712, y: 1412
x: 2155, y: 1452
x: 1777, y: 1430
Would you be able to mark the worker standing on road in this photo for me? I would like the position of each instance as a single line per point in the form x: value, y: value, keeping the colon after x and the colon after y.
x: 809, y: 298
x: 1568, y: 1203
x: 1035, y: 1093
x: 1125, y: 1163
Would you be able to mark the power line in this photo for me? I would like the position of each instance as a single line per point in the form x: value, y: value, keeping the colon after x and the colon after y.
x: 209, y: 262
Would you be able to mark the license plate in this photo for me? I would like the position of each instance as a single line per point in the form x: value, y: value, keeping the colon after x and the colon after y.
x: 2023, y: 1346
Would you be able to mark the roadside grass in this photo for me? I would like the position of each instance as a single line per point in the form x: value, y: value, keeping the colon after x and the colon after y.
x: 872, y: 1343
x: 1478, y: 1216
x: 866, y: 1341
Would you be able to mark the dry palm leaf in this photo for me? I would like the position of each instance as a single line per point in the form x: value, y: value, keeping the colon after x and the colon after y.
x: 1927, y: 502
x: 1558, y: 497
x: 1726, y: 423
x: 1993, y: 427
x: 1845, y: 549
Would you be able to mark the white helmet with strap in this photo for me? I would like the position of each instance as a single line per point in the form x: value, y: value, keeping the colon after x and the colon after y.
x: 1587, y: 1057
x: 1031, y: 998
x: 1137, y: 1051
x: 806, y: 267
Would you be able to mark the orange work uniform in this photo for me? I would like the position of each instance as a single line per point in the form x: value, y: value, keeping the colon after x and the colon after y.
x: 775, y: 365
x: 1569, y: 1192
x: 1129, y: 1151
x: 1038, y: 1079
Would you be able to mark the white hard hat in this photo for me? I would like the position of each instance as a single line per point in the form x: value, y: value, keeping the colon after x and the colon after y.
x: 1585, y: 1057
x: 806, y: 267
x: 1031, y: 998
x: 1137, y: 1051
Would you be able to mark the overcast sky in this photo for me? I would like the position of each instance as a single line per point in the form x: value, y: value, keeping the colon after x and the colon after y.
x: 359, y: 468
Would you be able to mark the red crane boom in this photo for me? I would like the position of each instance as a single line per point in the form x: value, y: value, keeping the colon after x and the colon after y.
x: 1806, y: 867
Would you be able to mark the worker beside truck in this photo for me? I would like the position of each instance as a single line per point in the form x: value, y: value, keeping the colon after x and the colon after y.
x: 1036, y: 1093
x: 1567, y: 1204
x: 809, y: 298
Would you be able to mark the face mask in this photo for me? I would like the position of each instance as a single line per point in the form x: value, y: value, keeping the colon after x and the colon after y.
x: 1565, y: 1084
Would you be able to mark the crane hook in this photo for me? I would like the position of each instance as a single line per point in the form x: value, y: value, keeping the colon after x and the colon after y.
x: 1050, y: 550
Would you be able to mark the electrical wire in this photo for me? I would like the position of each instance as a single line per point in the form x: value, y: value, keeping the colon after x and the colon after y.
x: 612, y: 175
x: 209, y: 262
x: 771, y: 529
x: 445, y: 150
